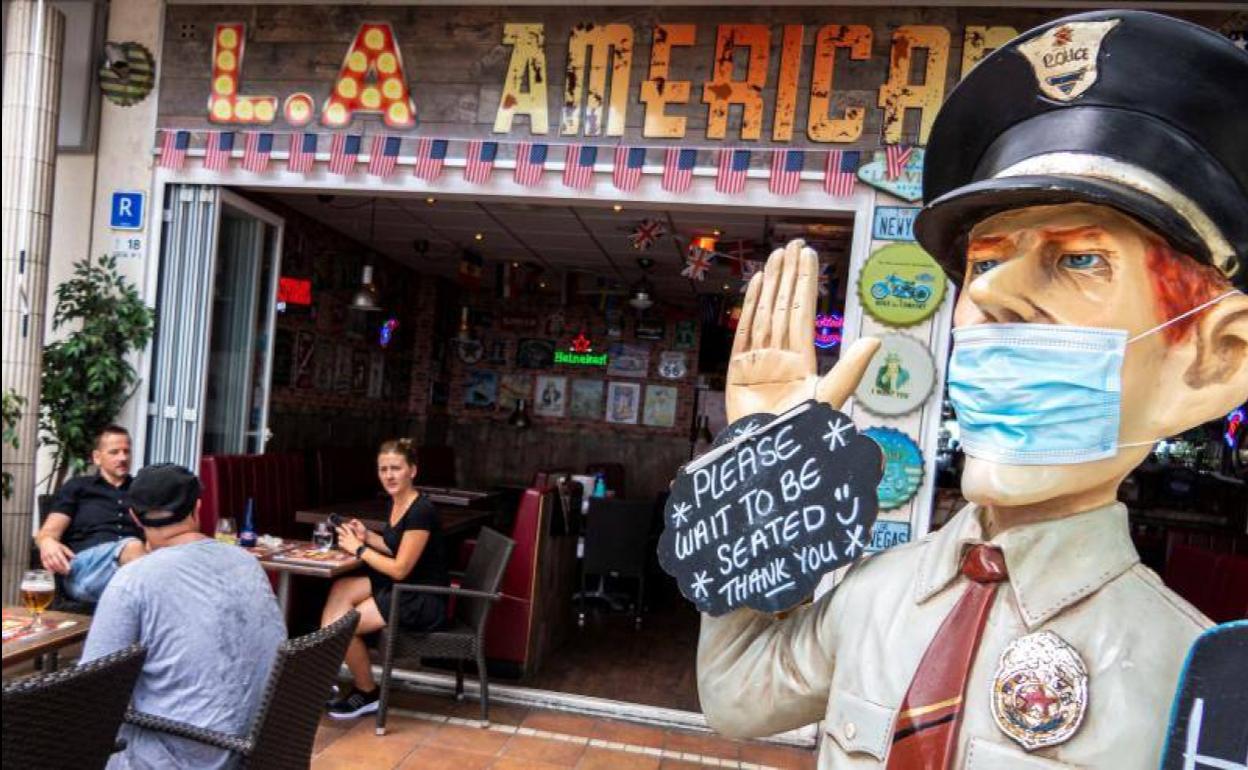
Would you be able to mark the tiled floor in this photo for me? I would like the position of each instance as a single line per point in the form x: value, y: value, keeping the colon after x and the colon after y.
x: 432, y: 732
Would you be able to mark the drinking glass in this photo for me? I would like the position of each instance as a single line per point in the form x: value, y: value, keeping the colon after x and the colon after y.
x: 38, y: 589
x: 226, y: 531
x: 323, y: 536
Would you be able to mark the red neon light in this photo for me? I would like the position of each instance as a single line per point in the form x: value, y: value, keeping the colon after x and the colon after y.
x: 294, y: 291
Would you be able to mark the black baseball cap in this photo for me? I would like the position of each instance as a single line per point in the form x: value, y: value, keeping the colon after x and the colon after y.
x: 1133, y: 110
x: 162, y: 494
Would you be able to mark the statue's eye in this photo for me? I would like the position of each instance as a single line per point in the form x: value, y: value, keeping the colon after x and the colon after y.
x: 983, y: 266
x: 1081, y: 261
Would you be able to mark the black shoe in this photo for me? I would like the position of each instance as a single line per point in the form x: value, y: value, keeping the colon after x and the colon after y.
x: 356, y: 704
x: 334, y: 692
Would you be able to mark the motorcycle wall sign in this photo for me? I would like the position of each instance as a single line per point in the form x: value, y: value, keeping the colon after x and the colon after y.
x: 901, y: 285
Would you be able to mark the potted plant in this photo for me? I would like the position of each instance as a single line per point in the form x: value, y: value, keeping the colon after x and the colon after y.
x: 86, y: 376
x: 13, y: 404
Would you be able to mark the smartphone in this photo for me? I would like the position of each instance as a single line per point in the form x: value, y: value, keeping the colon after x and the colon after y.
x: 336, y: 521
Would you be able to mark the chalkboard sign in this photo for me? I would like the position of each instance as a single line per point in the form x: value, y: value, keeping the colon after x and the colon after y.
x: 1208, y: 726
x: 775, y: 504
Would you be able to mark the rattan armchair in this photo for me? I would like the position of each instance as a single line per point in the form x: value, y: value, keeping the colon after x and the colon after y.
x: 284, y: 728
x: 463, y: 638
x: 70, y: 718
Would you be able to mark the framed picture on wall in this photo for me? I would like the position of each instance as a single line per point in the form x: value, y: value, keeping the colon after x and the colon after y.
x: 623, y: 402
x: 660, y: 411
x: 535, y: 354
x: 481, y: 390
x: 376, y: 374
x: 512, y: 388
x: 625, y: 360
x: 323, y: 376
x: 359, y: 372
x: 342, y: 368
x: 586, y: 402
x: 550, y: 399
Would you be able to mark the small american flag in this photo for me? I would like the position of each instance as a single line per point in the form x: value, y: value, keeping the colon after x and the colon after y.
x: 481, y: 157
x: 578, y: 165
x: 344, y: 151
x: 383, y: 155
x: 678, y: 169
x: 697, y: 263
x: 173, y: 149
x: 430, y: 154
x: 786, y: 171
x: 629, y: 162
x: 220, y: 148
x: 840, y: 172
x: 302, y: 154
x: 733, y: 167
x: 530, y: 163
x: 896, y: 156
x: 257, y: 148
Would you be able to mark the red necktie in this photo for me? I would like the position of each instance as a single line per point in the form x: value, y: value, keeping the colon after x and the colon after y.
x: 925, y: 736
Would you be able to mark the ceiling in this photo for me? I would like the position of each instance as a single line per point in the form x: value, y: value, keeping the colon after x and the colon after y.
x: 430, y: 235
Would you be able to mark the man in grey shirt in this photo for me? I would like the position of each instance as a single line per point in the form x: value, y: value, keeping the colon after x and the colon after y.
x: 207, y: 616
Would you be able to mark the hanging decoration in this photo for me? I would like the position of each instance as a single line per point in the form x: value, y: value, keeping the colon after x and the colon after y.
x: 901, y: 285
x: 386, y: 333
x: 903, y: 467
x: 899, y: 379
x: 698, y: 260
x: 128, y: 73
x: 646, y: 233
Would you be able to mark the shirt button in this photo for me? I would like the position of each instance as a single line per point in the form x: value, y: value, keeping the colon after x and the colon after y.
x: 850, y: 731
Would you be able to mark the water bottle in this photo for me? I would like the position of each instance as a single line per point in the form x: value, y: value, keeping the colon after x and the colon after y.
x: 600, y: 486
x: 247, y: 538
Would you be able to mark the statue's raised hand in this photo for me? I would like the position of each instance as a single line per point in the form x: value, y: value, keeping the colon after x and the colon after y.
x: 773, y: 354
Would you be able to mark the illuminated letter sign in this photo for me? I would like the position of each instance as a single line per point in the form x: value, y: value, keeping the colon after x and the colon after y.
x: 224, y: 103
x: 373, y: 56
x: 527, y: 68
x: 593, y: 42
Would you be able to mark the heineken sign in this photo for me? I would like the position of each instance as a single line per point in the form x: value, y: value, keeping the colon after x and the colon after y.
x: 580, y: 359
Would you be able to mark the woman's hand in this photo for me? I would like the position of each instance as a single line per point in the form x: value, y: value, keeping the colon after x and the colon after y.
x: 357, y: 527
x: 348, y: 540
x: 773, y: 368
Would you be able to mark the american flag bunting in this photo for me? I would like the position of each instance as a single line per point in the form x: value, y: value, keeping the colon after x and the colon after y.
x: 734, y: 165
x: 840, y: 173
x: 173, y: 149
x: 220, y: 148
x: 578, y: 165
x: 481, y: 156
x: 430, y: 155
x: 896, y: 156
x: 678, y: 169
x: 302, y: 154
x: 257, y: 148
x: 629, y: 162
x: 530, y: 163
x: 344, y: 151
x: 786, y: 171
x: 383, y: 155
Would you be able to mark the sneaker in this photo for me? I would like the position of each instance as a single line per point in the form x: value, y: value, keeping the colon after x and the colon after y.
x: 334, y: 692
x: 356, y: 704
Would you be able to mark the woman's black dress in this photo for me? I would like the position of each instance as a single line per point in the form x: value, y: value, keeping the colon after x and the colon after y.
x: 417, y: 611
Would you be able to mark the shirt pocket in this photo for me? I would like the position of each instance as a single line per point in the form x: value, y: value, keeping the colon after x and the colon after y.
x: 985, y: 755
x: 858, y: 725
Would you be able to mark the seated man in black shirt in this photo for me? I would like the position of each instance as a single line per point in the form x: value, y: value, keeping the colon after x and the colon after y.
x: 89, y: 532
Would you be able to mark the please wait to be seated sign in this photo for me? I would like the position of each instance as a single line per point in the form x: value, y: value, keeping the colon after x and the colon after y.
x: 776, y: 504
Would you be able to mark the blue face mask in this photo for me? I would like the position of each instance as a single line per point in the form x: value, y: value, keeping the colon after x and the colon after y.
x: 1041, y: 394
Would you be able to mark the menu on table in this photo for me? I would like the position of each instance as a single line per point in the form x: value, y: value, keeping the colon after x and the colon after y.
x: 313, y: 556
x: 19, y: 625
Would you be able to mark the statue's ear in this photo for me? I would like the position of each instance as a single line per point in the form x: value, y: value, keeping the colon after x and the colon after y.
x: 1215, y: 380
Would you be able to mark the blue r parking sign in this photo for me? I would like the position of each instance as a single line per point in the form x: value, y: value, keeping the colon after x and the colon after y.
x: 126, y: 212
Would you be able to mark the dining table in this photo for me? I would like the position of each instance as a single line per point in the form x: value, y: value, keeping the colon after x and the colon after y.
x: 23, y: 642
x: 460, y: 511
x: 302, y: 557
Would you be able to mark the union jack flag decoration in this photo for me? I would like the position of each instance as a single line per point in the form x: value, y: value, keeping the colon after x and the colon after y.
x: 481, y: 156
x: 786, y: 171
x: 629, y: 162
x: 383, y: 155
x: 840, y: 173
x: 220, y: 148
x: 302, y: 154
x: 257, y: 148
x: 646, y: 234
x: 430, y: 154
x: 734, y: 165
x: 173, y: 149
x: 697, y: 263
x: 344, y: 151
x: 678, y: 169
x: 530, y: 163
x: 578, y: 165
x: 896, y: 156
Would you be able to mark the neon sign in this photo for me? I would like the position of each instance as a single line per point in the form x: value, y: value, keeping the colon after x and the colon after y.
x: 828, y: 330
x: 294, y: 291
x: 580, y: 359
x: 386, y: 333
x: 1233, y: 421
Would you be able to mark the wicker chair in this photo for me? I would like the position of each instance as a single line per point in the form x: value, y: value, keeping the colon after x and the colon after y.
x: 70, y: 718
x: 463, y: 638
x: 285, y: 726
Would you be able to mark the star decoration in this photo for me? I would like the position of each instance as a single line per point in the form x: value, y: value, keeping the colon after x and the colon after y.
x: 699, y: 584
x: 581, y: 344
x: 836, y: 434
x: 679, y: 512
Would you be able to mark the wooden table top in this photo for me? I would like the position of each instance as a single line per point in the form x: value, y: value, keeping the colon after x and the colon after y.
x: 301, y: 557
x: 67, y: 628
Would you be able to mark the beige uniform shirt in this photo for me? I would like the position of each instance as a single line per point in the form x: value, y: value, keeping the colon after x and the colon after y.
x: 848, y: 658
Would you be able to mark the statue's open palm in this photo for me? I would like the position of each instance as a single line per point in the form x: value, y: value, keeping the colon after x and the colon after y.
x: 773, y: 354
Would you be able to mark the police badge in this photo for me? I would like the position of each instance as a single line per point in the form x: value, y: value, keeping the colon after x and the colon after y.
x: 1064, y: 57
x: 1040, y: 690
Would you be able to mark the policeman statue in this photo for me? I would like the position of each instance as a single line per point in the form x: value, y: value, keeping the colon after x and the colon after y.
x: 1087, y: 188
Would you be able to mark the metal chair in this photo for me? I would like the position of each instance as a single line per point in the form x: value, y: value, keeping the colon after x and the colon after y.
x: 616, y: 538
x: 284, y: 728
x: 70, y: 718
x: 463, y: 638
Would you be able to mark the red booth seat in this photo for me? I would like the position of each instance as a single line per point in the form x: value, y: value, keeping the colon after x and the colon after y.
x: 1216, y: 583
x: 277, y: 483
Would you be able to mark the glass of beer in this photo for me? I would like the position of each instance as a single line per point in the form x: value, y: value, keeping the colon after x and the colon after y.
x: 38, y: 589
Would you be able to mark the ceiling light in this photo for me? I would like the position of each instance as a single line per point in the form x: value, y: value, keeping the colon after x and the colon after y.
x: 479, y: 237
x: 431, y: 200
x: 716, y: 233
x: 365, y: 298
x: 727, y: 286
x: 617, y: 207
x: 641, y: 298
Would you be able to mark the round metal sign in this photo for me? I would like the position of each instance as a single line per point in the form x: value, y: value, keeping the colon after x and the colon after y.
x: 901, y: 285
x: 899, y: 378
x: 903, y: 467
